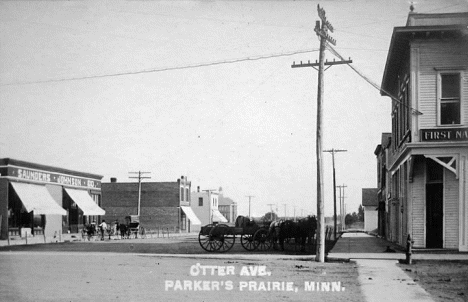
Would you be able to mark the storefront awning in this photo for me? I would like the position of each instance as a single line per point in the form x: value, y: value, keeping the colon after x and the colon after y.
x: 85, y: 202
x: 191, y: 215
x: 217, y: 216
x: 38, y: 199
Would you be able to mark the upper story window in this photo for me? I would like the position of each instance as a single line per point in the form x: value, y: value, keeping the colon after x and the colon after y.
x: 449, y: 98
x: 182, y: 194
x: 200, y: 201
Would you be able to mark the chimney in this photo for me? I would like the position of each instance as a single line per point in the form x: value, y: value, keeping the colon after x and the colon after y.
x: 113, y: 179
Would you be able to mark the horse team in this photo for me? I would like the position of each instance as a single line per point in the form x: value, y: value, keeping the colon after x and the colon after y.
x: 285, y: 230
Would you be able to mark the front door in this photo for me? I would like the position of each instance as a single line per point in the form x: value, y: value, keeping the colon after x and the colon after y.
x: 434, y: 215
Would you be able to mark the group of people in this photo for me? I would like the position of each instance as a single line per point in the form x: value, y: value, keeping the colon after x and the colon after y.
x: 103, y: 228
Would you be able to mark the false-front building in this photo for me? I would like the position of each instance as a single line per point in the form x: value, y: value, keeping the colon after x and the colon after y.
x: 426, y: 75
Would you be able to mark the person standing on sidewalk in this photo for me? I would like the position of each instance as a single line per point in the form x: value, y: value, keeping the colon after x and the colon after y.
x: 103, y: 228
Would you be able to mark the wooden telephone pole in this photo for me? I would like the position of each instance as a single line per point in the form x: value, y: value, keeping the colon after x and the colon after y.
x: 140, y: 177
x: 333, y: 151
x: 342, y: 206
x: 322, y: 32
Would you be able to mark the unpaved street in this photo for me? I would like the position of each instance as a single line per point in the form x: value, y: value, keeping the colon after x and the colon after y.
x: 75, y: 276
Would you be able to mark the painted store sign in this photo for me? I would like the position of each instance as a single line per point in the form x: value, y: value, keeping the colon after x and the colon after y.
x: 47, y: 177
x: 449, y: 134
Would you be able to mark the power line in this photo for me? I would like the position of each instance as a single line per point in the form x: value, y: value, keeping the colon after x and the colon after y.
x: 152, y: 70
x: 376, y: 86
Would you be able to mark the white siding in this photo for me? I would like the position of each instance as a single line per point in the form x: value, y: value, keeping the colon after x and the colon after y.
x: 370, y: 218
x: 438, y: 54
x: 418, y: 198
x: 451, y: 208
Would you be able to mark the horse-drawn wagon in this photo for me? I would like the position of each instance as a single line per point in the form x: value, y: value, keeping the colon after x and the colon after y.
x: 221, y: 237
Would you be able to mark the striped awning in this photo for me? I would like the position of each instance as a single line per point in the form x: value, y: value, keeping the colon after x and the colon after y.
x: 37, y: 198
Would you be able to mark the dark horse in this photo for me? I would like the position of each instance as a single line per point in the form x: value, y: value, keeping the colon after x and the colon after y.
x: 282, y: 230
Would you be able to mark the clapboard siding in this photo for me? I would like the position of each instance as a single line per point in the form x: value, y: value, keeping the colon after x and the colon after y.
x: 451, y: 209
x: 438, y: 53
x: 418, y: 197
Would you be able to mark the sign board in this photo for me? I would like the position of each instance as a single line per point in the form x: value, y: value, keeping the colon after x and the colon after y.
x: 48, y: 177
x: 444, y: 134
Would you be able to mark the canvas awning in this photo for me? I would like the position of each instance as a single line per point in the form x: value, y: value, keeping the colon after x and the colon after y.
x: 191, y: 215
x: 38, y: 199
x: 84, y: 202
x: 217, y: 216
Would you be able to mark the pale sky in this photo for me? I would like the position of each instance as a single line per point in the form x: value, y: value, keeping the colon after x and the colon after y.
x: 247, y: 126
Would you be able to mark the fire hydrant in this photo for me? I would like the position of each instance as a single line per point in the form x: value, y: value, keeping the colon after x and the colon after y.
x: 409, y: 249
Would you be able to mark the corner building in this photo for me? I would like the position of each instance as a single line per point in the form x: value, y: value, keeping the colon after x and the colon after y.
x: 37, y: 199
x: 426, y: 75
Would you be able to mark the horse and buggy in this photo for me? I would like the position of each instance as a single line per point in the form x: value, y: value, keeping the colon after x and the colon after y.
x: 257, y: 237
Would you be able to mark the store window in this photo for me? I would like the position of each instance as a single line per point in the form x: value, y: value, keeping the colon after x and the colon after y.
x: 449, y: 98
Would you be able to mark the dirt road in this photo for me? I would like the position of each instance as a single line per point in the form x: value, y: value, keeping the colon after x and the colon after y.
x: 76, y: 276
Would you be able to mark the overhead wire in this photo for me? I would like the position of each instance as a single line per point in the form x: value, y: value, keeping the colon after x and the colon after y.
x: 161, y: 69
x: 376, y: 86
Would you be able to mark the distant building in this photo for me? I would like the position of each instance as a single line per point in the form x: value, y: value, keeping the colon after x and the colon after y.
x: 370, y: 203
x: 162, y: 204
x: 227, y: 207
x: 381, y: 152
x: 426, y: 76
x: 205, y: 205
x: 37, y: 199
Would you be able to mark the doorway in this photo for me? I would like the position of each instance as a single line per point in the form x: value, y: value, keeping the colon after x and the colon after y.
x: 434, y: 205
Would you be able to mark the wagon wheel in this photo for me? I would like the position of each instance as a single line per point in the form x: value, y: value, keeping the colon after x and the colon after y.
x: 247, y: 241
x: 205, y: 240
x: 222, y: 237
x: 262, y: 240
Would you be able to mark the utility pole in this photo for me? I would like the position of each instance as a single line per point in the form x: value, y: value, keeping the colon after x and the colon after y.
x: 271, y: 210
x: 322, y: 31
x: 333, y: 151
x: 249, y: 196
x: 343, y: 213
x: 294, y: 213
x: 140, y: 177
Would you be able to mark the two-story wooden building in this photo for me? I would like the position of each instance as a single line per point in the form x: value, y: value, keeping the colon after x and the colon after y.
x: 381, y: 153
x: 426, y: 75
x: 205, y: 205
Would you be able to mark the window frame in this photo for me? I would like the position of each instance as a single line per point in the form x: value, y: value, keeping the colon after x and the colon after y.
x: 459, y: 73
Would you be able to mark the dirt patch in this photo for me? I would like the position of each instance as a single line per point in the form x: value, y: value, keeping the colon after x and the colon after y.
x: 444, y: 280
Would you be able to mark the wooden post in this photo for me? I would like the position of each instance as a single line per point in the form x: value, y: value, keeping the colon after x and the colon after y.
x: 321, y: 28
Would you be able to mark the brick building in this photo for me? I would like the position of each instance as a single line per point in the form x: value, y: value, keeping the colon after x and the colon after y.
x: 43, y: 200
x: 162, y: 204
